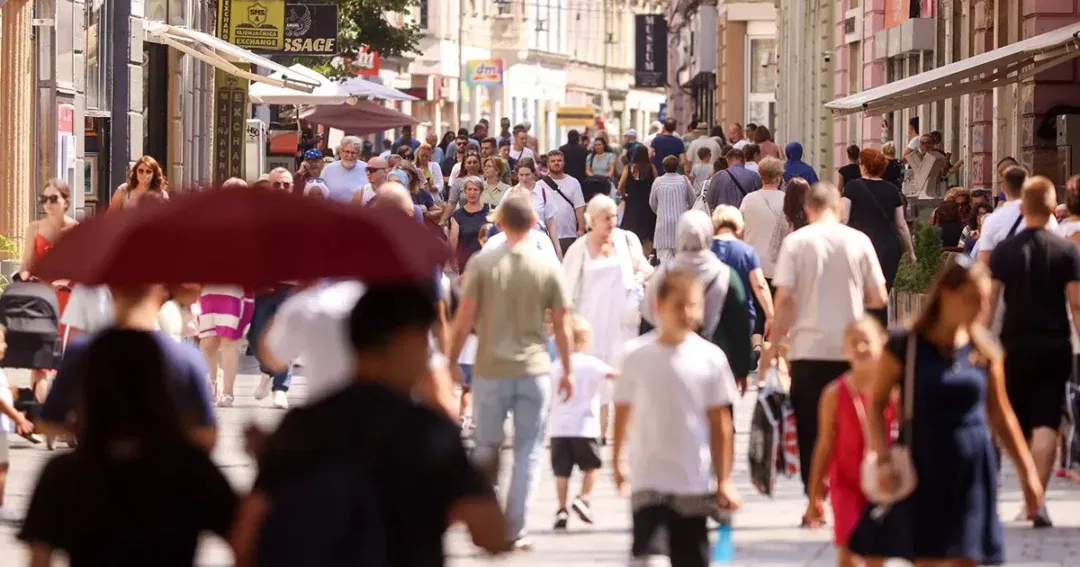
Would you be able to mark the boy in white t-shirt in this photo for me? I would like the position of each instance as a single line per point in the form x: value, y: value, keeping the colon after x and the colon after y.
x: 678, y: 388
x: 575, y: 425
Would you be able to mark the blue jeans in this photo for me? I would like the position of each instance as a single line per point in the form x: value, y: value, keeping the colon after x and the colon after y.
x: 265, y: 308
x: 527, y: 398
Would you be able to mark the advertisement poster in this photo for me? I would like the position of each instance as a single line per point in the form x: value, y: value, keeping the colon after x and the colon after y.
x: 484, y: 72
x: 650, y: 51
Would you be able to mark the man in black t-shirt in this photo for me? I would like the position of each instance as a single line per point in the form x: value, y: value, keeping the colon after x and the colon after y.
x: 851, y: 171
x: 1039, y: 273
x: 410, y: 453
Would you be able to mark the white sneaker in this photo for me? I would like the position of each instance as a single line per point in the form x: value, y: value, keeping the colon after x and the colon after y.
x: 226, y: 401
x: 263, y: 389
x: 281, y: 401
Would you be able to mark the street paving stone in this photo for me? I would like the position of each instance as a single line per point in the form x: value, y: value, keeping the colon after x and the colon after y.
x: 766, y: 531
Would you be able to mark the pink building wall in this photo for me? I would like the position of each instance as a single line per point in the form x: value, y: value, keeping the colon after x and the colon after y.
x: 873, y: 75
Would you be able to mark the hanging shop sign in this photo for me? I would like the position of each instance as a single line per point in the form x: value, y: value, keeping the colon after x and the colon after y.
x: 366, y: 63
x: 310, y: 29
x: 484, y: 72
x: 258, y: 25
x: 230, y: 115
x: 650, y: 51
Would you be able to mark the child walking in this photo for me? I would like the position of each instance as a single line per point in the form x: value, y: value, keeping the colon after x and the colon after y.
x: 575, y: 425
x: 674, y: 395
x: 840, y: 444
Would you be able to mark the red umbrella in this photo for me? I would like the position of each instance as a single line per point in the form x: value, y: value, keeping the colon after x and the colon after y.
x: 364, y: 117
x: 246, y: 236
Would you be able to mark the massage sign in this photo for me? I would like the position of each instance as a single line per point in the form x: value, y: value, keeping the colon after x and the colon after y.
x: 277, y: 27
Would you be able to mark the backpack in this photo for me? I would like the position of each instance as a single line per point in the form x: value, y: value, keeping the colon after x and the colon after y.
x: 30, y: 312
x: 331, y: 514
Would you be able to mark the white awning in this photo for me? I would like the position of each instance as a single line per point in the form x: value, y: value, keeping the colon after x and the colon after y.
x: 222, y: 55
x: 1009, y: 64
x: 363, y: 88
x: 328, y: 92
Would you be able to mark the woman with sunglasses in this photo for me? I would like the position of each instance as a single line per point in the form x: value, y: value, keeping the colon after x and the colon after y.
x: 41, y: 235
x: 146, y: 176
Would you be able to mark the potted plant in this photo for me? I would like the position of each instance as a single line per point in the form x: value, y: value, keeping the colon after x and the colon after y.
x: 9, y: 251
x: 908, y: 291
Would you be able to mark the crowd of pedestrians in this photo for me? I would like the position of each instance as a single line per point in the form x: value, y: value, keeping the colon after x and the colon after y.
x: 635, y: 314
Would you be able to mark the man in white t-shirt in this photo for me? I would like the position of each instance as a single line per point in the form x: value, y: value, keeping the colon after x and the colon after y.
x: 762, y: 210
x: 673, y: 402
x: 520, y: 150
x: 827, y: 276
x: 1006, y: 220
x: 568, y: 199
x: 345, y: 177
x: 377, y: 172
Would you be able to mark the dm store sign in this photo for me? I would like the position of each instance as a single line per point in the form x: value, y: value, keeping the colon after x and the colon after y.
x: 484, y: 72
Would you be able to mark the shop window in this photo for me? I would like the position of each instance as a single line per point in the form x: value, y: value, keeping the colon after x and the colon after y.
x: 424, y: 14
x: 762, y: 65
x: 97, y: 51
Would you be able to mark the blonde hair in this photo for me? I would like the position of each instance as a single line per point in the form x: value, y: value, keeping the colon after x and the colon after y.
x: 955, y: 191
x: 770, y: 169
x: 1039, y: 196
x: 580, y: 332
x: 889, y: 150
x: 726, y: 216
x: 597, y: 205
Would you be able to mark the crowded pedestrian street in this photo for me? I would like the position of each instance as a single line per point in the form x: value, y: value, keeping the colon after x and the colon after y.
x: 765, y: 532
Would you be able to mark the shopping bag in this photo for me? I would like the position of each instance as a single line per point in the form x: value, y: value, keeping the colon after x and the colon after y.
x: 789, y: 445
x: 765, y: 439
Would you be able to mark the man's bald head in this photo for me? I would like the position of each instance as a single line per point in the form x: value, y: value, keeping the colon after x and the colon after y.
x: 393, y: 195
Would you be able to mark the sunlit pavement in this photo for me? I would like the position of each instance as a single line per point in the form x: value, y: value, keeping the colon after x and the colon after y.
x: 766, y: 532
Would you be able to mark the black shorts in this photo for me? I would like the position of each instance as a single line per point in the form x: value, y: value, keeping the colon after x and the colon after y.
x: 759, y: 311
x: 659, y: 530
x: 1035, y: 379
x: 568, y: 452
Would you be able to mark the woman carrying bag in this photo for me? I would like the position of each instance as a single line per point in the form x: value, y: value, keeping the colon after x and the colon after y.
x: 934, y: 495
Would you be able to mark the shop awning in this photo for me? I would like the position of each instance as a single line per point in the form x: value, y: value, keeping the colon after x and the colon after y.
x: 1009, y: 64
x: 363, y: 88
x: 328, y: 92
x: 223, y: 55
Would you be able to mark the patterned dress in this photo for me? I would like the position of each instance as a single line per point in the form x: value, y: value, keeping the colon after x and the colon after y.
x: 225, y: 311
x: 671, y: 196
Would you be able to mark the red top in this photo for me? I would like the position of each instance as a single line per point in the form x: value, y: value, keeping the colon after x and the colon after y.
x: 848, y: 442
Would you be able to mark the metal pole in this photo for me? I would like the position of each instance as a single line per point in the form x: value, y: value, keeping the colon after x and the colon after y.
x: 461, y: 63
x: 119, y: 133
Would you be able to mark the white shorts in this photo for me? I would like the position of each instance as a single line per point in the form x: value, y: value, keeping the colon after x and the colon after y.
x: 3, y: 448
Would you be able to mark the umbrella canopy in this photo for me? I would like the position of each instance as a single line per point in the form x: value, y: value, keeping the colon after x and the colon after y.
x: 364, y: 117
x: 246, y: 236
x: 364, y: 88
x: 327, y: 91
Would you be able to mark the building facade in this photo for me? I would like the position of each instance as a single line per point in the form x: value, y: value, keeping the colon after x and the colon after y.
x: 746, y: 63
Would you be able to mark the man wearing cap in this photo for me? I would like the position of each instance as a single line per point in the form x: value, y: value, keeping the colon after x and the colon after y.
x: 377, y: 172
x: 630, y: 146
x: 310, y: 168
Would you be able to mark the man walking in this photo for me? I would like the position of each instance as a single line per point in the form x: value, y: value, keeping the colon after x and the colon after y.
x: 730, y: 186
x: 504, y: 296
x: 345, y: 177
x: 827, y: 276
x: 665, y: 144
x: 569, y: 202
x: 575, y: 155
x: 1037, y: 274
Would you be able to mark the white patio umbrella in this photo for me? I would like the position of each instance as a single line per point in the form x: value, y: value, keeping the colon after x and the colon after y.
x: 328, y: 92
x: 363, y: 88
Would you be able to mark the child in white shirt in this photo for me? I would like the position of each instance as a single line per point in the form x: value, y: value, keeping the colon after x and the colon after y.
x: 673, y: 401
x: 575, y: 425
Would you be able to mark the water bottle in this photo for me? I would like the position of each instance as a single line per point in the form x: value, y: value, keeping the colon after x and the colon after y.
x: 723, y: 552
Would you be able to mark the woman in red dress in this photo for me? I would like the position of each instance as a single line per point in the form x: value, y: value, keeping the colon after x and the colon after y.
x: 39, y: 239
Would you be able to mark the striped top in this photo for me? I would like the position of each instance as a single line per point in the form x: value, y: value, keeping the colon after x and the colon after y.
x: 671, y: 196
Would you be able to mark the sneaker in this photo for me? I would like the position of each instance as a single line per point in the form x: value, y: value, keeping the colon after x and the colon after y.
x: 226, y: 401
x: 522, y: 543
x: 8, y: 516
x: 561, y: 517
x: 281, y: 400
x: 582, y: 509
x: 263, y: 389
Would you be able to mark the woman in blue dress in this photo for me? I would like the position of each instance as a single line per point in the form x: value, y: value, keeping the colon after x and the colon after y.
x: 960, y: 404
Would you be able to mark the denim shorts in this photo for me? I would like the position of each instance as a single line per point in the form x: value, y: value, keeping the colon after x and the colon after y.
x: 466, y: 374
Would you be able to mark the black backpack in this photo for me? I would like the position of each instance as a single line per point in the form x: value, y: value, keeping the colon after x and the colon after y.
x: 30, y: 312
x: 331, y: 514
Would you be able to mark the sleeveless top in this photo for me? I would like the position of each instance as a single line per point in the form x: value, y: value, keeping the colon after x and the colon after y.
x: 848, y: 441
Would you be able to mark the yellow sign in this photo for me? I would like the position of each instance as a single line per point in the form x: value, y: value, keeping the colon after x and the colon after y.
x: 574, y: 115
x: 253, y: 24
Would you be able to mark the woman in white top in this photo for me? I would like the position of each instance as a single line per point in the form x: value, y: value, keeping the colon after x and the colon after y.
x: 541, y: 200
x: 763, y: 215
x: 605, y: 271
x: 433, y: 177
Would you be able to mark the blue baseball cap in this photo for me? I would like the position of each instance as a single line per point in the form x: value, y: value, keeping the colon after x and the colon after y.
x: 313, y: 153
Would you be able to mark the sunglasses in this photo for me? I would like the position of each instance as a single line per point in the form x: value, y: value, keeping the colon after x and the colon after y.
x: 375, y: 169
x: 282, y: 185
x: 142, y: 171
x: 50, y: 199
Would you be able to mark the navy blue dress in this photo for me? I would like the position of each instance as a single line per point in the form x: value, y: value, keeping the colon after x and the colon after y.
x: 953, y: 511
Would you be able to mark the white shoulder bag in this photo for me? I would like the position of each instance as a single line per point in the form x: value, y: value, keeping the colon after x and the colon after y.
x: 900, y: 461
x: 701, y: 204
